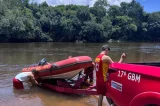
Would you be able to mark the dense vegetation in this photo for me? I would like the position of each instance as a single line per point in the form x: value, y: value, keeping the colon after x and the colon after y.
x: 21, y: 21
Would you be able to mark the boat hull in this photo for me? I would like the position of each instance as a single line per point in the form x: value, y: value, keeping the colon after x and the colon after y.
x: 64, y: 69
x: 66, y: 75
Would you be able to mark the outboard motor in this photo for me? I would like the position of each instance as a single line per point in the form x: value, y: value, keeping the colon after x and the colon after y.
x: 42, y: 62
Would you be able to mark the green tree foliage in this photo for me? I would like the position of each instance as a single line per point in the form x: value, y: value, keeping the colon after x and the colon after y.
x: 99, y: 9
x: 21, y: 21
x: 101, y: 3
x: 92, y: 32
x: 133, y: 9
x: 2, y: 8
x: 83, y: 14
x: 114, y: 11
x: 154, y: 26
x: 123, y: 28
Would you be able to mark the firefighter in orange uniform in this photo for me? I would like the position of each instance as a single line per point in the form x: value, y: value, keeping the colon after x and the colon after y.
x: 102, y: 62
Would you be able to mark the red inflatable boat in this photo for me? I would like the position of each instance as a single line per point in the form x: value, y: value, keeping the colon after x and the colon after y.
x: 64, y: 69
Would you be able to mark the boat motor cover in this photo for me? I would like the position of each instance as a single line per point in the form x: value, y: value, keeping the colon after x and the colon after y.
x: 42, y: 62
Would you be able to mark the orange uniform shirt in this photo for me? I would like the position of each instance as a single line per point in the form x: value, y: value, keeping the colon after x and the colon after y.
x: 101, y: 68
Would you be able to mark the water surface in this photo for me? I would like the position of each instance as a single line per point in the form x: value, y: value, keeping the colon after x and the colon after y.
x: 15, y: 56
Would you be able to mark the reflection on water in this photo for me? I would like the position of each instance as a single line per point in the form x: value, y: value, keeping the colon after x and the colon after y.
x: 15, y: 56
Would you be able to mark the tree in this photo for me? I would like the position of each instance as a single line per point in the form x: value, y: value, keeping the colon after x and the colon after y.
x: 114, y: 11
x: 154, y: 26
x: 3, y: 8
x: 92, y: 32
x: 83, y: 14
x: 99, y: 9
x: 123, y: 28
x: 101, y: 3
x: 107, y: 24
x: 134, y: 10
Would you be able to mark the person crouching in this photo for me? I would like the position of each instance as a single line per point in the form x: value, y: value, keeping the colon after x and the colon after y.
x: 22, y: 80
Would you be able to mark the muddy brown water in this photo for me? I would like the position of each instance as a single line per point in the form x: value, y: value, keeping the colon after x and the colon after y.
x: 15, y: 56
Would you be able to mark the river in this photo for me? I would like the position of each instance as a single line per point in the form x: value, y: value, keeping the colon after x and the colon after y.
x: 15, y: 56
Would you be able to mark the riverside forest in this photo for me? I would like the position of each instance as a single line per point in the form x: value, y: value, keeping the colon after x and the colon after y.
x: 25, y: 21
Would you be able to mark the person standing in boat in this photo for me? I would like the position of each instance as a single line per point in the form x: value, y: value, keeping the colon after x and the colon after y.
x: 23, y: 80
x: 102, y: 62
